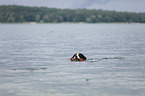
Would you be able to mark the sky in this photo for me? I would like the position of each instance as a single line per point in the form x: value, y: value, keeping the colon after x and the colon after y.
x: 117, y: 5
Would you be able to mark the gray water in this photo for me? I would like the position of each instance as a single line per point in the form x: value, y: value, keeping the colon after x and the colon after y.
x: 35, y: 60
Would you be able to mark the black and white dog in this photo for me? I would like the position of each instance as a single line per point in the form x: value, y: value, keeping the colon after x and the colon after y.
x: 78, y: 57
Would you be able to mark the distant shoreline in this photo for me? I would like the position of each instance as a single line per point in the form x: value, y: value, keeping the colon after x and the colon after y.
x: 73, y: 23
x: 24, y: 14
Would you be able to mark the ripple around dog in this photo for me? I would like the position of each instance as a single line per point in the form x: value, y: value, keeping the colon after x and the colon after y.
x: 99, y: 59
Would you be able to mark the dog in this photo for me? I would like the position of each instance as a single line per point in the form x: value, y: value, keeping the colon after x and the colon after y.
x: 78, y: 57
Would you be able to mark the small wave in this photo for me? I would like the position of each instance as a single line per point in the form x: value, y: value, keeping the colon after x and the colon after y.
x: 29, y: 69
x: 99, y: 59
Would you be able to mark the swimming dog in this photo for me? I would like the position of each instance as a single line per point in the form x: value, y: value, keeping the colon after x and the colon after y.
x: 78, y: 57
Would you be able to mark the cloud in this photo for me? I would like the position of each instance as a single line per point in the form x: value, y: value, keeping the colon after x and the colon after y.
x: 118, y: 5
x: 40, y: 3
x: 88, y: 3
x: 55, y: 3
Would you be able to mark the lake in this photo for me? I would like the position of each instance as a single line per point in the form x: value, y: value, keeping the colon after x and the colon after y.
x: 35, y: 59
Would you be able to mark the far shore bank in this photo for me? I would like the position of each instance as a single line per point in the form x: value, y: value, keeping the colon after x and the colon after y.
x: 73, y: 23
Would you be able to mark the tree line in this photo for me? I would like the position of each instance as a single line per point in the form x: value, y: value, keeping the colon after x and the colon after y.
x: 14, y: 14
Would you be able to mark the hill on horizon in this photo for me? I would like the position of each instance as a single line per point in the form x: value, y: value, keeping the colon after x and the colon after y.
x: 14, y: 13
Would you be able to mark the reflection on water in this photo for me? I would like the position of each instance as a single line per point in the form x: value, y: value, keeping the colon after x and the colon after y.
x: 34, y: 60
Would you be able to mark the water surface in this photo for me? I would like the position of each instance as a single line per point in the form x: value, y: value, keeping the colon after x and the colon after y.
x: 34, y: 60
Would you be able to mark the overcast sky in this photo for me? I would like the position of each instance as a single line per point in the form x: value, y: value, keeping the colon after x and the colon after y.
x: 117, y: 5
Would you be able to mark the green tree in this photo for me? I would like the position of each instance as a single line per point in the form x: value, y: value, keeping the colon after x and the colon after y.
x: 22, y: 18
x: 11, y: 18
x: 45, y: 18
x: 37, y: 18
